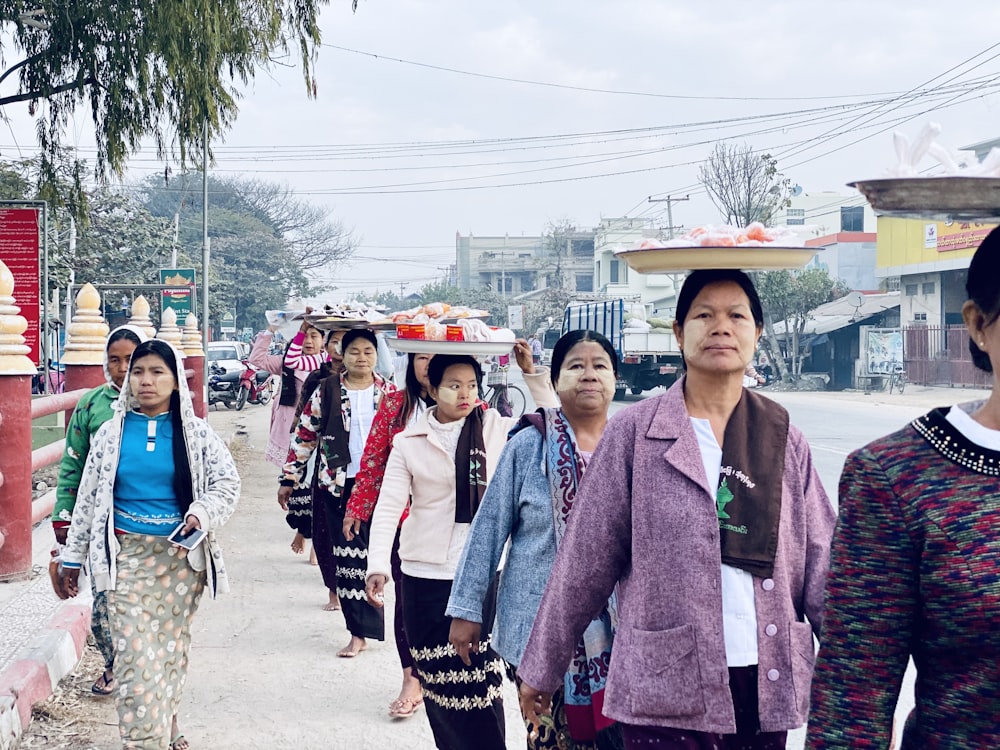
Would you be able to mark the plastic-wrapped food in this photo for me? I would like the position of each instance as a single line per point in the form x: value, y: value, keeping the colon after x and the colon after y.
x: 955, y: 163
x: 752, y: 235
x: 435, y: 331
x: 475, y: 329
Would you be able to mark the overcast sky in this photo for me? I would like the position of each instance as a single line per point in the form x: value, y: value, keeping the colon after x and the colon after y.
x: 819, y: 85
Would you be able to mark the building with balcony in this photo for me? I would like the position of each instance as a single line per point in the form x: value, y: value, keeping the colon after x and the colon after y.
x: 515, y: 265
x: 615, y: 279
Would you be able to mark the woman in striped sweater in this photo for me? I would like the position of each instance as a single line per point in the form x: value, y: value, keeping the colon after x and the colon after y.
x: 915, y: 570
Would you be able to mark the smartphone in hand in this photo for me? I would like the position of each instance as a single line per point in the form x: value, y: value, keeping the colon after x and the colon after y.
x: 190, y: 540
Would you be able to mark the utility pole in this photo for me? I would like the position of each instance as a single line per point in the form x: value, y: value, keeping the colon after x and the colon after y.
x: 670, y: 200
x: 503, y: 275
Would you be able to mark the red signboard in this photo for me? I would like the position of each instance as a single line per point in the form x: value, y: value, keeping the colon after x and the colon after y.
x: 19, y: 250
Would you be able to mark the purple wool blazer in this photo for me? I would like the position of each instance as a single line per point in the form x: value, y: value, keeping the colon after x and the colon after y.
x: 644, y: 519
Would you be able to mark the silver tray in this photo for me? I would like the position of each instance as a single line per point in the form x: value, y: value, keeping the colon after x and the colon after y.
x: 678, y: 259
x: 336, y: 323
x: 934, y: 198
x: 473, y: 348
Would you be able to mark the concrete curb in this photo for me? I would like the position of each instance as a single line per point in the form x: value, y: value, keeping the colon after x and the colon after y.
x: 38, y: 668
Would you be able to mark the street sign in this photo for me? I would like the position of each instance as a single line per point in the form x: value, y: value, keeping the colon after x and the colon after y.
x: 228, y: 322
x: 515, y: 317
x: 179, y: 299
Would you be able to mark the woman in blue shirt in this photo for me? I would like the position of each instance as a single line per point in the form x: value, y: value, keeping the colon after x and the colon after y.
x: 152, y: 467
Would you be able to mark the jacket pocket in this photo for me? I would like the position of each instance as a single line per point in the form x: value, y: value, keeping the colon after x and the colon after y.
x: 663, y: 673
x: 802, y: 653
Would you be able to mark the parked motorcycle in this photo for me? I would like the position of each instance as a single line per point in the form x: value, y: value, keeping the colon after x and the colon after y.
x: 223, y: 386
x: 256, y: 386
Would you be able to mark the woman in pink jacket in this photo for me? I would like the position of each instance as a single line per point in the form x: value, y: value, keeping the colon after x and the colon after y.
x: 302, y: 355
x: 703, y: 508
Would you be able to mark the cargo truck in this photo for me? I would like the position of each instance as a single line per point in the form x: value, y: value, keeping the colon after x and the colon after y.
x: 648, y: 356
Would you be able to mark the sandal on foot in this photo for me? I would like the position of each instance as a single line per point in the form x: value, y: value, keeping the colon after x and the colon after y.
x: 404, y: 708
x: 179, y: 743
x: 103, y: 686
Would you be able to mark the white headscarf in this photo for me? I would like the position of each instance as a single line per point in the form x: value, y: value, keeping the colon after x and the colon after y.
x: 137, y: 332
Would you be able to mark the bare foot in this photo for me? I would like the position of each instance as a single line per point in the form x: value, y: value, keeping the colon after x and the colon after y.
x: 334, y: 604
x: 298, y: 544
x: 352, y: 649
x: 312, y: 556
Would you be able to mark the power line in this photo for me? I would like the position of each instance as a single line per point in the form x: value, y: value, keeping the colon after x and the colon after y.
x: 507, y: 79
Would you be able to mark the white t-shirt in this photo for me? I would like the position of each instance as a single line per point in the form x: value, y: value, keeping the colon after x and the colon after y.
x: 362, y: 416
x: 970, y: 428
x: 739, y: 617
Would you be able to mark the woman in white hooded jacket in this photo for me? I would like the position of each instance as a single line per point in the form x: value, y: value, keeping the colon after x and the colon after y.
x: 151, y: 467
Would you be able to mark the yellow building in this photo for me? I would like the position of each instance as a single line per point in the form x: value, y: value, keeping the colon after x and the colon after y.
x: 930, y: 259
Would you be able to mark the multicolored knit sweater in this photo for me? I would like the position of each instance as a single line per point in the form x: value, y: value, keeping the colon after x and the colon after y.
x: 915, y: 571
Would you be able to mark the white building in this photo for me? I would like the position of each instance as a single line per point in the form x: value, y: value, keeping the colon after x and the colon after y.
x: 825, y: 213
x: 613, y: 278
x: 514, y: 265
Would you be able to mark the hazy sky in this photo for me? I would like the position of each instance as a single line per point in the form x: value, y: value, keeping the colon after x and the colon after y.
x: 407, y: 147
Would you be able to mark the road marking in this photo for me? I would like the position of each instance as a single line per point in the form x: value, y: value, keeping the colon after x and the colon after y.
x: 828, y: 449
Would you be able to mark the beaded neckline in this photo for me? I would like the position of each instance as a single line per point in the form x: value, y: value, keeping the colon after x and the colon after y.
x: 947, y: 440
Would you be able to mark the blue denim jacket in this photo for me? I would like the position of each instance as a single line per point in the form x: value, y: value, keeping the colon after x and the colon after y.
x: 517, y: 505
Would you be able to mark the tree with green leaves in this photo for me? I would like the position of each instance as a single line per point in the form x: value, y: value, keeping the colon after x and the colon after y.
x: 265, y: 240
x: 160, y: 69
x: 792, y: 296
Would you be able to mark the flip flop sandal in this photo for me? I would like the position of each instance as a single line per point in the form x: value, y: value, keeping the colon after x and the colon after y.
x: 405, y: 708
x: 175, y: 743
x: 103, y: 686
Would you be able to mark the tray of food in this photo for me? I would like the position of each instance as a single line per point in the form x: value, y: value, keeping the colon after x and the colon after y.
x: 751, y: 248
x: 965, y: 188
x: 337, y: 323
x: 428, y: 346
x: 945, y: 198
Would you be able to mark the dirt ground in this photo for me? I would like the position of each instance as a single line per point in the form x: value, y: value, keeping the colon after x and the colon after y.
x: 73, y: 718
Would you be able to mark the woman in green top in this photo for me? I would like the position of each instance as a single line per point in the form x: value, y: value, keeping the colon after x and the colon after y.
x: 94, y: 409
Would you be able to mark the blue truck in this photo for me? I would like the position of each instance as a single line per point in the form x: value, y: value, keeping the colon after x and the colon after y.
x: 648, y: 356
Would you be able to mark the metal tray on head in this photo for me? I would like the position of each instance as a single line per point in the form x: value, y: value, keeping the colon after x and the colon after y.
x: 335, y: 323
x: 949, y: 198
x: 680, y: 259
x: 472, y: 348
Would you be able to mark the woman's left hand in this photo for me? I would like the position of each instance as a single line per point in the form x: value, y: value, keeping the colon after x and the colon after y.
x: 534, y: 704
x: 191, y: 523
x: 522, y: 353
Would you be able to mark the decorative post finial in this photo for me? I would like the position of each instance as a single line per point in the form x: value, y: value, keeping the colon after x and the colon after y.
x: 191, y: 340
x: 140, y: 316
x: 13, y: 350
x: 169, y: 331
x: 87, y: 332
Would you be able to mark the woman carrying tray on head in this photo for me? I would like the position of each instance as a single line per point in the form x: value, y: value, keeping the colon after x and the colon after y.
x: 322, y: 538
x: 336, y: 421
x: 915, y: 568
x: 703, y: 508
x: 444, y: 463
x: 397, y: 411
x: 303, y: 355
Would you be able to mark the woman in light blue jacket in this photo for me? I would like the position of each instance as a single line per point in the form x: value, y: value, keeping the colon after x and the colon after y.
x: 528, y: 502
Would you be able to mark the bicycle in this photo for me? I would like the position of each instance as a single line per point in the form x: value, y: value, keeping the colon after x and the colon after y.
x: 507, y: 399
x: 897, y: 379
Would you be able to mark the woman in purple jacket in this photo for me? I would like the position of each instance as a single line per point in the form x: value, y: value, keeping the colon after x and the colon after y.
x: 703, y: 507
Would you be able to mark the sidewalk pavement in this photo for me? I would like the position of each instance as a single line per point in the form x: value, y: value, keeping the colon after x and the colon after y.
x: 273, y: 617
